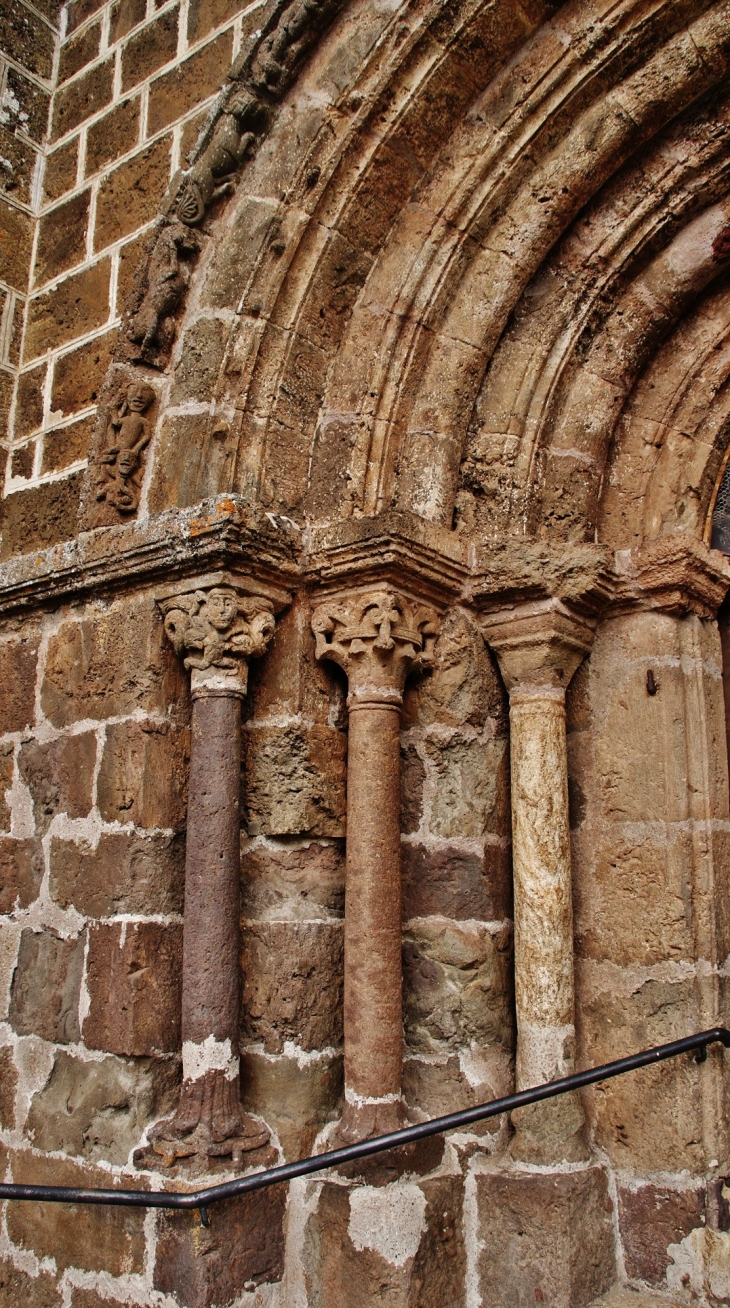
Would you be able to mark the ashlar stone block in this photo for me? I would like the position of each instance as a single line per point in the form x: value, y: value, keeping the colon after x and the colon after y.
x: 545, y: 1237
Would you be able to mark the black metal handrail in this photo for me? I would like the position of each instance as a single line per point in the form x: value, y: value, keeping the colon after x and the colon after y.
x: 202, y: 1199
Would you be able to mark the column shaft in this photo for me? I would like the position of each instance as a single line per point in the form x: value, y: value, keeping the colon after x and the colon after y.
x: 210, y: 992
x: 373, y: 1000
x: 544, y: 991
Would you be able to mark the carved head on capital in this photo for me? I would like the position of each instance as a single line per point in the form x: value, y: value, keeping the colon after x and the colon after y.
x: 217, y: 628
x: 377, y: 637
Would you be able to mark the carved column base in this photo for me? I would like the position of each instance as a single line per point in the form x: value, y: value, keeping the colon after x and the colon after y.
x: 209, y: 1122
x: 365, y: 1121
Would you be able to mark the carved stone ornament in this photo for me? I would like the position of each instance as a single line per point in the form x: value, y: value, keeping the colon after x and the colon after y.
x: 377, y: 637
x: 150, y: 323
x: 217, y: 631
x: 127, y: 435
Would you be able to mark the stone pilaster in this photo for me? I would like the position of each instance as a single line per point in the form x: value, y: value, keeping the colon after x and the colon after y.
x: 216, y: 626
x: 377, y: 636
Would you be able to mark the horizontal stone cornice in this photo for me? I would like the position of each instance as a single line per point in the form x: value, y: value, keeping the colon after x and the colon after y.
x: 521, y: 572
x: 673, y: 574
x: 422, y: 560
x: 220, y: 534
x: 419, y: 558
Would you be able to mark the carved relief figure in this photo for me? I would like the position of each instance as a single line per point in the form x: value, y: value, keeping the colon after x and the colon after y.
x: 127, y: 435
x: 152, y: 327
x: 232, y: 139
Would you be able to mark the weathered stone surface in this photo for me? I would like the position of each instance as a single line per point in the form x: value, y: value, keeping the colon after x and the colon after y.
x: 44, y: 999
x: 124, y: 874
x: 178, y: 91
x: 545, y: 1237
x: 399, y: 1245
x: 441, y: 1086
x: 196, y: 374
x: 464, y: 685
x: 98, y: 1109
x: 18, y: 1287
x: 472, y: 795
x: 81, y: 98
x: 295, y: 781
x: 6, y: 780
x: 16, y: 231
x: 455, y: 985
x: 62, y: 238
x: 113, y: 135
x: 651, y: 1217
x: 29, y: 402
x: 18, y: 663
x: 59, y: 174
x: 59, y: 776
x: 78, y: 304
x: 649, y: 1122
x: 36, y: 518
x: 129, y: 196
x: 88, y: 1236
x: 150, y: 48
x: 21, y: 870
x: 85, y: 658
x: 8, y: 1087
x: 242, y: 1249
x: 295, y: 882
x: 443, y: 880
x: 295, y: 1097
x: 133, y: 976
x: 135, y: 756
x: 78, y: 375
x: 292, y: 984
x: 67, y: 446
x: 78, y: 51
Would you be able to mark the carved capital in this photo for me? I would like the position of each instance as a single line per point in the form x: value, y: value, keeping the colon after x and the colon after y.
x: 539, y: 646
x: 377, y: 637
x: 216, y: 628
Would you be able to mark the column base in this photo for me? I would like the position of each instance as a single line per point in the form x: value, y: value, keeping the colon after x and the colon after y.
x: 544, y: 1236
x: 368, y: 1120
x: 209, y: 1124
x: 550, y: 1132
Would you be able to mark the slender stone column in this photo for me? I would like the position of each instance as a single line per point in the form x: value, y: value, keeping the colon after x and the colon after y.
x: 539, y: 646
x: 377, y: 637
x: 217, y: 629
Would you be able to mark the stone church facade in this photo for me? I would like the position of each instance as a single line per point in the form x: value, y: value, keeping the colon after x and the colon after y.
x: 365, y: 412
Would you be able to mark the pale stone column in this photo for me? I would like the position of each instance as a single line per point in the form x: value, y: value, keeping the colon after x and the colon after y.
x: 217, y: 628
x: 539, y: 646
x: 377, y: 637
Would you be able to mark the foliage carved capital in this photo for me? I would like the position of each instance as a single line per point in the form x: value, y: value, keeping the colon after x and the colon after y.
x: 377, y: 637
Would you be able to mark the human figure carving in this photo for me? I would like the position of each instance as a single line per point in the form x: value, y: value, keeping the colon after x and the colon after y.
x: 220, y: 628
x: 127, y: 436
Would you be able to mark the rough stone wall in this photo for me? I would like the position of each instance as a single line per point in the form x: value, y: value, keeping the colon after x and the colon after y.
x: 130, y: 86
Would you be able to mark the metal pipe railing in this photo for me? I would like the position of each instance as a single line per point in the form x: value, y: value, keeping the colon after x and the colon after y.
x: 202, y: 1199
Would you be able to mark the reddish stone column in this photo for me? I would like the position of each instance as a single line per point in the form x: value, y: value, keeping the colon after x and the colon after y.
x: 218, y: 629
x: 377, y: 637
